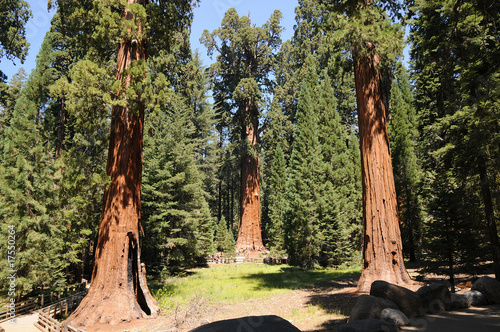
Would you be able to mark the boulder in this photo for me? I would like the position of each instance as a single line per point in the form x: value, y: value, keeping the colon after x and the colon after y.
x: 475, y: 298
x: 270, y: 323
x: 395, y: 316
x: 367, y: 325
x: 407, y: 300
x: 370, y: 307
x: 435, y: 297
x: 489, y: 287
x: 459, y: 301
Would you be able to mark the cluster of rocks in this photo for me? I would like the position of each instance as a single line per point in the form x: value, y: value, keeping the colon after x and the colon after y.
x: 387, y: 308
x: 390, y: 306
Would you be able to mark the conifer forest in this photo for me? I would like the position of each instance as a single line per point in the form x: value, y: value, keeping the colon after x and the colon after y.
x: 124, y: 158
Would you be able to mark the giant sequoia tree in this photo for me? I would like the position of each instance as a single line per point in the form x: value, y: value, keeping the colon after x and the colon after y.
x: 118, y: 290
x: 241, y: 75
x: 374, y: 42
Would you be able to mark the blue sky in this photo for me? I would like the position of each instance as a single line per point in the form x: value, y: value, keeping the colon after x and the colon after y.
x: 210, y: 13
x: 207, y: 16
x: 36, y: 28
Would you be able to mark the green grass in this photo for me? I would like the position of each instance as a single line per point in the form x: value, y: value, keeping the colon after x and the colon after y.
x: 236, y: 283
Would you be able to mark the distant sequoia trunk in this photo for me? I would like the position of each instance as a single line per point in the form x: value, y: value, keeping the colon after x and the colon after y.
x: 250, y: 233
x: 118, y: 292
x: 382, y: 245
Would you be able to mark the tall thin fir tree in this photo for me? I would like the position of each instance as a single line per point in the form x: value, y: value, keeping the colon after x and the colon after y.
x: 175, y: 212
x: 29, y: 204
x: 341, y: 219
x: 403, y: 134
x: 303, y: 237
x: 277, y: 203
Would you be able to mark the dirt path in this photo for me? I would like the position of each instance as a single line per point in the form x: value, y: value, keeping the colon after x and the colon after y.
x: 483, y: 319
x: 23, y: 324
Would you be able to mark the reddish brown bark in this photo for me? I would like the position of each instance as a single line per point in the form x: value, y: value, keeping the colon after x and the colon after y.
x: 250, y: 233
x: 382, y: 245
x: 118, y: 291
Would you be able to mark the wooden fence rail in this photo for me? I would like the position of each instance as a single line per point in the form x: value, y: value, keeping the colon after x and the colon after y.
x: 37, y: 302
x: 16, y: 309
x: 46, y: 316
x: 221, y: 260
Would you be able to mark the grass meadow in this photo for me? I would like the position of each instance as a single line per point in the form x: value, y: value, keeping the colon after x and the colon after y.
x: 234, y: 283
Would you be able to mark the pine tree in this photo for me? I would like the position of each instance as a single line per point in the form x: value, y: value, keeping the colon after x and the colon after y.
x: 8, y: 103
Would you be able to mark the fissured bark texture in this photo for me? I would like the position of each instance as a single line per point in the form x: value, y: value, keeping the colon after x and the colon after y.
x: 382, y: 247
x: 250, y: 233
x: 118, y: 291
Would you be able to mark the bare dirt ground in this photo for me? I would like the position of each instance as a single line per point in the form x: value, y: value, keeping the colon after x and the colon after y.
x: 320, y: 308
x: 300, y: 307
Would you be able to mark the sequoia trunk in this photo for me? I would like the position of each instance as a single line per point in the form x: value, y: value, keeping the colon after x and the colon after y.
x: 118, y: 291
x: 250, y: 233
x: 382, y: 247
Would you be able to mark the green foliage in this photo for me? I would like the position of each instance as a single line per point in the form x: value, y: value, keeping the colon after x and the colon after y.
x: 176, y: 230
x: 323, y: 213
x: 277, y: 204
x: 457, y: 87
x: 224, y: 238
x: 13, y: 18
x: 341, y: 216
x: 303, y: 237
x: 403, y: 134
x: 29, y: 204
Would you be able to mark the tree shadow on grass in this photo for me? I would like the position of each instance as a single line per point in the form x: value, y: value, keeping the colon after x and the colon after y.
x: 339, y: 304
x: 333, y: 291
x: 296, y: 278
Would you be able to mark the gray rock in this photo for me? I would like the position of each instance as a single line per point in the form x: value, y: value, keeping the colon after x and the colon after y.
x: 435, y: 297
x: 367, y: 325
x: 476, y: 298
x: 489, y: 287
x: 370, y: 307
x: 395, y: 316
x: 407, y: 300
x: 270, y: 323
x: 459, y: 301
